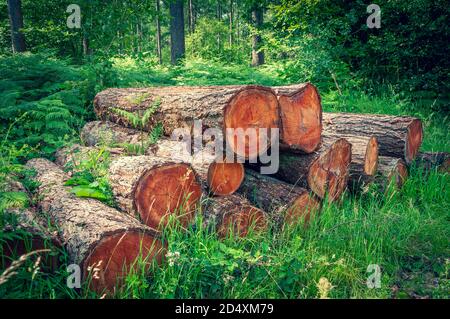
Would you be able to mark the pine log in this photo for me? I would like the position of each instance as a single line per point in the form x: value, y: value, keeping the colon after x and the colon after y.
x: 25, y: 230
x: 434, y: 160
x: 364, y: 162
x: 301, y: 117
x: 398, y: 136
x: 155, y: 188
x: 391, y: 170
x: 217, y: 175
x: 233, y: 214
x: 218, y: 107
x: 325, y: 171
x: 285, y: 202
x: 101, y: 240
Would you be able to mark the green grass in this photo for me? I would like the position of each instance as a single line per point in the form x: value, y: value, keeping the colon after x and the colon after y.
x: 405, y: 232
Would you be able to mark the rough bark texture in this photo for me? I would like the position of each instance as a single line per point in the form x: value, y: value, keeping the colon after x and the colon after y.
x: 217, y: 176
x: 176, y: 108
x: 391, y: 170
x: 324, y: 171
x: 285, y: 203
x: 364, y: 162
x: 29, y: 232
x: 98, y: 238
x: 257, y: 53
x: 155, y: 188
x: 233, y: 213
x: 301, y: 117
x: 398, y: 136
x: 438, y: 160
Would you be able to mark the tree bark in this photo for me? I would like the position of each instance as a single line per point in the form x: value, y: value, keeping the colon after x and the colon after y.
x: 16, y: 22
x: 301, y: 117
x: 284, y: 202
x: 231, y: 23
x: 398, y: 136
x: 98, y: 238
x: 158, y: 33
x: 178, y: 47
x: 364, y: 162
x: 391, y: 170
x: 325, y: 171
x: 233, y: 214
x: 257, y: 53
x: 218, y: 107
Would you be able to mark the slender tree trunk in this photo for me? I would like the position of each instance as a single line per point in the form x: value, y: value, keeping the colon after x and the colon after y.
x: 16, y: 21
x: 191, y: 16
x: 257, y: 54
x: 231, y: 24
x: 178, y: 47
x: 158, y: 33
x: 86, y: 48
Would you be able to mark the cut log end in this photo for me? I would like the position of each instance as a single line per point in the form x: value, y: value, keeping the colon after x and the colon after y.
x: 302, y: 209
x: 241, y: 221
x: 413, y: 140
x: 301, y: 116
x: 164, y: 190
x: 398, y: 173
x: 252, y: 108
x: 371, y: 157
x: 116, y: 255
x: 329, y: 173
x: 225, y: 178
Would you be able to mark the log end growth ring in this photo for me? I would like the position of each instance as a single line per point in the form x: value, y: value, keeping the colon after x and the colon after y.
x: 164, y: 190
x: 225, y: 178
x: 413, y: 140
x: 115, y: 255
x: 240, y: 222
x: 301, y: 118
x: 302, y: 209
x: 251, y: 108
x: 399, y: 174
x: 371, y: 157
x: 329, y: 173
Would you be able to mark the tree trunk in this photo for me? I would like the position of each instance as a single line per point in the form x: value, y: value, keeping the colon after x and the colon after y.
x: 237, y: 108
x: 158, y: 33
x: 98, y: 238
x: 217, y: 176
x: 285, y: 202
x: 177, y: 31
x: 16, y: 22
x: 231, y: 24
x: 398, y: 136
x: 301, y: 117
x: 364, y: 157
x: 233, y: 214
x: 257, y: 53
x: 325, y: 171
x: 429, y: 161
x: 391, y: 170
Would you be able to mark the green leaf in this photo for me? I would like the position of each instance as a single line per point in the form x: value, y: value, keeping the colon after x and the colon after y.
x: 88, y: 192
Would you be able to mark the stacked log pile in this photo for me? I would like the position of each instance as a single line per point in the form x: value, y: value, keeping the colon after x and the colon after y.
x: 318, y: 156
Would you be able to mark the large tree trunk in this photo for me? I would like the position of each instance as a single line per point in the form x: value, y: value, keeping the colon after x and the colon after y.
x: 233, y: 214
x: 158, y: 33
x: 233, y: 111
x: 177, y: 44
x: 217, y: 175
x: 285, y: 202
x: 29, y: 232
x: 101, y: 240
x: 301, y: 117
x: 438, y: 160
x: 325, y: 171
x: 257, y: 53
x: 364, y: 157
x: 16, y: 21
x: 398, y: 136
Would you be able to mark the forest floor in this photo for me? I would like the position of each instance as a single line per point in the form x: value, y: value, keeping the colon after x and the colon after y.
x: 405, y: 233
